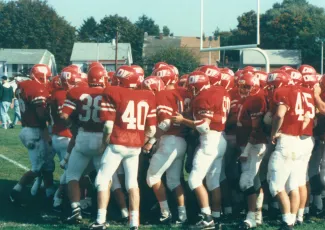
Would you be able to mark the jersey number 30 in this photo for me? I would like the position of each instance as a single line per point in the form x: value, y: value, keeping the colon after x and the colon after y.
x: 135, y: 121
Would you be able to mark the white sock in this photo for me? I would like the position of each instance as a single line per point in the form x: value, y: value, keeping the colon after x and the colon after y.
x: 293, y: 218
x: 75, y: 205
x: 216, y: 214
x: 101, y: 216
x: 18, y: 187
x: 228, y: 210
x: 300, y: 214
x: 164, y: 207
x: 124, y: 212
x: 206, y: 210
x: 306, y: 210
x: 250, y: 215
x: 259, y: 201
x: 318, y: 202
x: 287, y: 218
x: 134, y: 220
x: 182, y: 213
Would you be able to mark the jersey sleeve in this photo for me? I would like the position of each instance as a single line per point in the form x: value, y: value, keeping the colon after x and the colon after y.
x: 164, y: 108
x: 151, y: 118
x: 108, y: 108
x: 280, y: 97
x: 257, y: 107
x: 203, y: 110
x: 70, y: 104
x: 40, y: 98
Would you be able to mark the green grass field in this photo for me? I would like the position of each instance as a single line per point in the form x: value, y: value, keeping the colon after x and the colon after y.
x: 36, y: 215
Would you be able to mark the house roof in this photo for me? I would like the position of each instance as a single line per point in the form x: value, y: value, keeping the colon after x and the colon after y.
x: 277, y: 57
x: 25, y: 56
x: 88, y: 51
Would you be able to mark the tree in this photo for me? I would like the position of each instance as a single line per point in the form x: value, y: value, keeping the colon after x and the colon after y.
x: 128, y: 33
x: 182, y: 58
x: 166, y: 31
x: 88, y: 31
x: 35, y: 25
x: 148, y: 25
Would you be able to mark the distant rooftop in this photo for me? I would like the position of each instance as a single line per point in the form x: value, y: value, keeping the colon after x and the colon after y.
x: 25, y: 56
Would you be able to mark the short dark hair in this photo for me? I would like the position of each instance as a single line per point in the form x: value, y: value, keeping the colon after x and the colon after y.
x: 4, y: 78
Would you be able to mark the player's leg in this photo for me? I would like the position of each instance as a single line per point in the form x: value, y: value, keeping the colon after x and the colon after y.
x: 130, y: 165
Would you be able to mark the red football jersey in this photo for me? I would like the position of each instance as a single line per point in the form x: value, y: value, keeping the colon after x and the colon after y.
x: 56, y: 104
x: 309, y: 107
x: 235, y: 102
x: 291, y: 96
x: 85, y: 103
x: 31, y: 95
x: 214, y: 104
x: 132, y: 111
x: 253, y: 107
x: 170, y: 102
x: 187, y: 97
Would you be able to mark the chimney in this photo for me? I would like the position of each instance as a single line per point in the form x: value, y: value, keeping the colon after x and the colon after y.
x: 161, y: 36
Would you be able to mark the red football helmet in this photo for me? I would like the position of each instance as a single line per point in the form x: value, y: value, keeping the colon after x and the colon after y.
x: 56, y: 82
x: 295, y: 75
x: 248, y: 85
x: 139, y: 70
x: 110, y: 76
x: 227, y: 80
x: 262, y: 76
x: 277, y: 79
x: 285, y: 68
x: 229, y: 71
x: 153, y: 83
x: 238, y: 74
x: 198, y: 81
x: 128, y: 77
x: 307, y: 69
x: 167, y: 74
x: 158, y: 65
x: 95, y: 64
x: 69, y: 78
x: 75, y: 68
x: 319, y: 77
x: 251, y: 68
x: 40, y: 73
x: 309, y: 80
x: 213, y: 73
x: 183, y: 81
x: 96, y: 76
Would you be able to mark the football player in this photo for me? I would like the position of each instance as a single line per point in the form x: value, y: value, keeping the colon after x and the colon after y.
x: 252, y: 141
x: 210, y: 108
x: 84, y: 104
x: 33, y: 97
x: 130, y: 121
x: 170, y: 154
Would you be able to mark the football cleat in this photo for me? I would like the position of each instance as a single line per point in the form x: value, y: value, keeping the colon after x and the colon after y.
x: 285, y: 226
x: 165, y: 218
x: 97, y: 226
x: 75, y: 216
x: 205, y: 222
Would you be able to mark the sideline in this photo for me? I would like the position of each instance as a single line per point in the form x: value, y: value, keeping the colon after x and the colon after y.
x: 14, y: 162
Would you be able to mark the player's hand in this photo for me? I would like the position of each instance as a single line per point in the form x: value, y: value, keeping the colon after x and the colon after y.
x: 146, y: 148
x: 12, y: 105
x: 274, y: 138
x: 317, y: 90
x: 63, y: 163
x: 178, y: 118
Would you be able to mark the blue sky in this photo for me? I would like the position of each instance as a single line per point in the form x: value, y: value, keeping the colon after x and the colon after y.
x: 181, y: 16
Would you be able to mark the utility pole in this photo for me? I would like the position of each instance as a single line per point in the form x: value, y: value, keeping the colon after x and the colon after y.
x: 116, y: 48
x: 322, y: 59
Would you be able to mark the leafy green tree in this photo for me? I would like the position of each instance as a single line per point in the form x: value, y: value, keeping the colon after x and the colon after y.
x: 36, y: 25
x: 127, y: 31
x: 146, y: 24
x: 166, y: 31
x: 88, y: 31
x: 182, y: 58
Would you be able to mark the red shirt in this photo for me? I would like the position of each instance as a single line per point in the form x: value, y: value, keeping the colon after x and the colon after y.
x: 214, y: 104
x: 85, y: 103
x: 31, y: 95
x: 253, y: 107
x: 132, y: 111
x: 291, y: 96
x: 56, y: 104
x: 235, y: 102
x: 309, y: 106
x: 170, y: 102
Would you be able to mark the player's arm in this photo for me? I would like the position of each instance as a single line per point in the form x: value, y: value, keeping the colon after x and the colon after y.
x: 278, y: 121
x: 202, y: 125
x: 151, y: 132
x: 320, y: 104
x: 107, y: 115
x: 68, y: 108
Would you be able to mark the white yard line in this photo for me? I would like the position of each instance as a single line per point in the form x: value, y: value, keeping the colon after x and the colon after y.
x: 14, y: 162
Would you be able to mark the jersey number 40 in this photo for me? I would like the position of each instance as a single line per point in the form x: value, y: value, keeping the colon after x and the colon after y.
x: 135, y: 115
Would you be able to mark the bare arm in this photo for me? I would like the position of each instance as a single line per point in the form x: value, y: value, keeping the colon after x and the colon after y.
x: 278, y: 121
